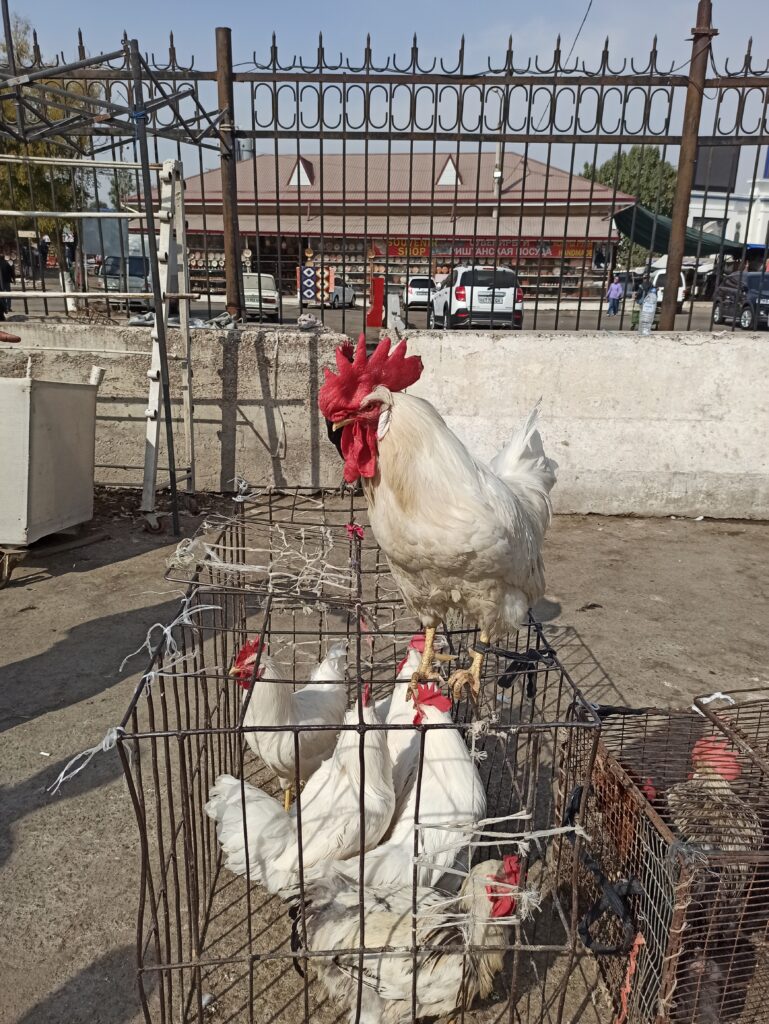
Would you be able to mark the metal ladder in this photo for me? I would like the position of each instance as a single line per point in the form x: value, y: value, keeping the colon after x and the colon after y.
x: 174, y: 283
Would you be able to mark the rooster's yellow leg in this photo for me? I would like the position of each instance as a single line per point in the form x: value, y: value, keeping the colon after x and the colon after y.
x: 470, y: 678
x: 425, y: 673
x: 287, y: 800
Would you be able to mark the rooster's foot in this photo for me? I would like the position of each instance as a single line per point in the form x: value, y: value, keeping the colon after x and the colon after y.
x: 287, y: 800
x: 463, y: 679
x: 423, y: 679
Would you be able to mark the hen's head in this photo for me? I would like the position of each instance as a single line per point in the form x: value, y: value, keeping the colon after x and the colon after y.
x: 354, y: 398
x: 428, y: 696
x: 242, y: 669
x: 504, y: 882
x: 713, y: 756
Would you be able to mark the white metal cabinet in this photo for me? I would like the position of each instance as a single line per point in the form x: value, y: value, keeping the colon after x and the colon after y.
x: 47, y: 441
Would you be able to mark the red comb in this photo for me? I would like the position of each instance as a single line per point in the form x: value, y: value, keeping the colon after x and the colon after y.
x: 348, y: 350
x: 248, y: 651
x: 241, y: 669
x: 715, y: 754
x: 429, y: 696
x: 511, y: 867
x: 366, y: 695
x: 503, y: 902
x: 343, y: 391
x: 416, y: 643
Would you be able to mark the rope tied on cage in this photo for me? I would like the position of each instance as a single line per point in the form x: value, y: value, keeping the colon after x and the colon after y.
x: 718, y: 695
x: 632, y: 964
x: 189, y: 553
x: 109, y: 742
x: 184, y: 618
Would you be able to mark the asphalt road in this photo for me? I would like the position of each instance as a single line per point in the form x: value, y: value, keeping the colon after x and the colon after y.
x: 352, y: 321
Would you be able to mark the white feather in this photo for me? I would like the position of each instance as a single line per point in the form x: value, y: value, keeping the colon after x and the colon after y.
x: 321, y: 702
x: 444, y: 980
x: 459, y: 536
x: 450, y: 798
x: 330, y: 811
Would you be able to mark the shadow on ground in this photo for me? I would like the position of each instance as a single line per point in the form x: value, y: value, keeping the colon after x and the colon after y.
x: 102, y: 993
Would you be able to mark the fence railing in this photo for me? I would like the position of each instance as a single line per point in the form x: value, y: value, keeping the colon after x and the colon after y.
x: 346, y: 178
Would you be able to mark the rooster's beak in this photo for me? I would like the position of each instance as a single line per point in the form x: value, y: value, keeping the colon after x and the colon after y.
x: 342, y: 423
x: 234, y: 672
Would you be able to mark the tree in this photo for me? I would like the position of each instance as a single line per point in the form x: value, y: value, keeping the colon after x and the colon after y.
x: 26, y: 186
x: 122, y: 183
x: 640, y: 172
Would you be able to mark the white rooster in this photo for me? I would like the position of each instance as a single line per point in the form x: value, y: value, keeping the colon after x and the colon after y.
x: 321, y: 702
x: 459, y: 536
x: 329, y: 805
x: 450, y: 799
x: 447, y: 977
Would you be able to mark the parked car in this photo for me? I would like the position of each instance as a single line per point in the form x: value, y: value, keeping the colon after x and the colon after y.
x: 121, y: 274
x: 480, y: 295
x: 260, y: 295
x: 743, y: 299
x: 343, y: 294
x: 659, y: 279
x: 418, y: 292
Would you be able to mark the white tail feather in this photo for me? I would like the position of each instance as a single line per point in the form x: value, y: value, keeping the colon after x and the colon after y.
x: 523, y: 463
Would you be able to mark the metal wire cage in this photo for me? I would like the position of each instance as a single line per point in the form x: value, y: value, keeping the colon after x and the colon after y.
x: 688, y: 943
x: 302, y: 571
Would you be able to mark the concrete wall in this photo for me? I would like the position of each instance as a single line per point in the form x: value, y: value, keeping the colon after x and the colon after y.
x: 255, y: 397
x: 661, y: 425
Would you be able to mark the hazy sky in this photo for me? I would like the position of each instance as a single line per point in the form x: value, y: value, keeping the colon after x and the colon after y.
x: 439, y: 25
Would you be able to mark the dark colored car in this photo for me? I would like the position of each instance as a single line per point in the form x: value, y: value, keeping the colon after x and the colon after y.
x: 743, y: 299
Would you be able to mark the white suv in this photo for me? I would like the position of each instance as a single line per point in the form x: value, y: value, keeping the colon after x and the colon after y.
x: 487, y: 296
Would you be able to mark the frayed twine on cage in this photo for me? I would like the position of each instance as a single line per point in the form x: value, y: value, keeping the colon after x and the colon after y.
x: 718, y: 695
x: 527, y: 902
x: 184, y: 618
x: 190, y: 553
x: 627, y: 985
x: 69, y: 772
x: 692, y: 854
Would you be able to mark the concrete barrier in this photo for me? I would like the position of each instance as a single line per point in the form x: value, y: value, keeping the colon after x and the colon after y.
x: 667, y: 424
x: 660, y: 425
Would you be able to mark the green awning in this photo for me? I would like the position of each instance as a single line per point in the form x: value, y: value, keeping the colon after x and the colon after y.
x: 652, y: 231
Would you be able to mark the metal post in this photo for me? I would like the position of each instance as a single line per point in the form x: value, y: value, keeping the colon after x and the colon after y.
x: 227, y: 156
x: 159, y: 330
x: 702, y: 34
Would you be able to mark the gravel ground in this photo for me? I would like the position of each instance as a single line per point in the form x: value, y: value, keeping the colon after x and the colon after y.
x: 640, y: 611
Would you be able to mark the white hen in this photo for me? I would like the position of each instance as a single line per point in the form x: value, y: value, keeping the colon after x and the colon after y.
x: 321, y: 702
x: 447, y: 977
x: 329, y: 805
x: 460, y: 536
x: 450, y: 799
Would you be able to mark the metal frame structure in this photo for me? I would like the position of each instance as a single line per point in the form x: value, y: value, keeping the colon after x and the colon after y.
x: 85, y: 114
x: 697, y: 913
x: 292, y: 567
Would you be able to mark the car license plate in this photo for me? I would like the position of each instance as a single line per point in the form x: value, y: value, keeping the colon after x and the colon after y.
x: 485, y: 300
x: 764, y: 302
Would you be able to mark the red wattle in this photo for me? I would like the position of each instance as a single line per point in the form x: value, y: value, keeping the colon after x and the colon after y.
x: 359, y: 449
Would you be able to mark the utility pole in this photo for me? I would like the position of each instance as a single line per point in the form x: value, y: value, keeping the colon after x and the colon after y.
x: 702, y: 34
x: 227, y: 163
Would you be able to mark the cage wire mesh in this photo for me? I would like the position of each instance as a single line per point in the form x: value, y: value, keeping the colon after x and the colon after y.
x: 302, y: 571
x: 684, y: 856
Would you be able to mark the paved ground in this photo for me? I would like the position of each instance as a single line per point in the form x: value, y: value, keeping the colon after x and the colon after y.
x: 641, y: 610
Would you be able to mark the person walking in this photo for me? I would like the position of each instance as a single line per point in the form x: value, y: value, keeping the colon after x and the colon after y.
x: 641, y: 290
x: 7, y: 277
x: 42, y: 250
x: 613, y: 295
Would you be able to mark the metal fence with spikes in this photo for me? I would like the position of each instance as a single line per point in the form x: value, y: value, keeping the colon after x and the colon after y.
x: 301, y: 571
x: 678, y: 814
x: 345, y: 177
